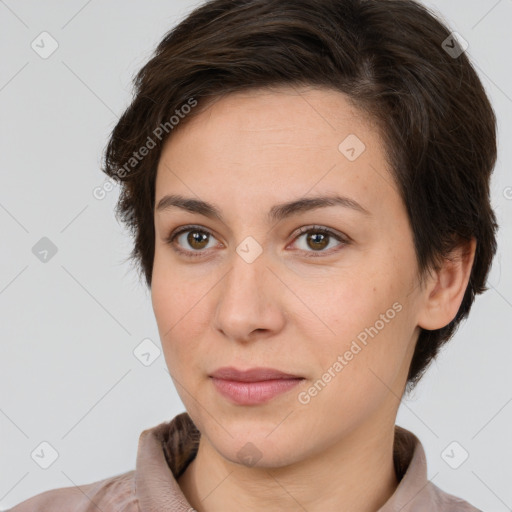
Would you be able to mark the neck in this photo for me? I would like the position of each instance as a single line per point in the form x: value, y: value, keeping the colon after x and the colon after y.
x: 356, y: 473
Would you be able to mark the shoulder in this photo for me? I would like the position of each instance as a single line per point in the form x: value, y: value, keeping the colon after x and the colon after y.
x: 448, y: 502
x: 114, y: 494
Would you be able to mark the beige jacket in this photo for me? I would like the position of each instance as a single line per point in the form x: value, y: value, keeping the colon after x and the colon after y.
x: 165, y: 451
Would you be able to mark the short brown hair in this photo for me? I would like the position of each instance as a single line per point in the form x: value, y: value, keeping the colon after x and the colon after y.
x: 391, y: 58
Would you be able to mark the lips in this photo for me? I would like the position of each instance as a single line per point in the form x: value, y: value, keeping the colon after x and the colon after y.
x: 254, y: 386
x: 251, y: 375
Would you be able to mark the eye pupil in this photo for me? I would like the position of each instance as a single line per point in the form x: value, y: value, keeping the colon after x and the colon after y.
x: 323, y: 238
x: 197, y: 237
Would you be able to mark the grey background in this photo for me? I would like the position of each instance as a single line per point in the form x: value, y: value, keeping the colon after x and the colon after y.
x: 68, y: 375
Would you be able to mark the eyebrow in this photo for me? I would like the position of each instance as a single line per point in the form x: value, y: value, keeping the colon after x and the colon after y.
x: 275, y: 214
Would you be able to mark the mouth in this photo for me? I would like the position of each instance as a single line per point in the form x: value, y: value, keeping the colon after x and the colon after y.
x: 258, y: 374
x: 253, y: 386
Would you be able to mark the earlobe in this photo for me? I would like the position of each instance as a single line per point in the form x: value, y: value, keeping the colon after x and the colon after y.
x: 445, y: 291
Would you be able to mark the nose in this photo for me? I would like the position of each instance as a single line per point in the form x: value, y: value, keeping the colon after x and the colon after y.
x: 251, y: 301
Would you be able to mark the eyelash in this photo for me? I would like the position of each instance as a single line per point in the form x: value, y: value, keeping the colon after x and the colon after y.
x: 308, y: 229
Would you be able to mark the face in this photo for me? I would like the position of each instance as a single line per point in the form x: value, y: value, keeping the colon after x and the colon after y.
x: 329, y: 294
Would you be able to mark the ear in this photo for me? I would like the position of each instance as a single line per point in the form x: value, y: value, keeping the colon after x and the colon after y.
x: 444, y: 293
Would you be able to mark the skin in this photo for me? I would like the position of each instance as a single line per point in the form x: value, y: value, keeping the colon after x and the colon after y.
x: 245, y: 153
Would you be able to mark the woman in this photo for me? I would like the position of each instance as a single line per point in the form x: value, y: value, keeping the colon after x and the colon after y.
x: 307, y: 182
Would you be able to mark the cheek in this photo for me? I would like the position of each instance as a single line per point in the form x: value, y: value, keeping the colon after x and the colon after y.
x: 181, y: 318
x: 355, y: 378
x: 163, y: 299
x: 355, y: 301
x: 369, y: 327
x: 170, y: 296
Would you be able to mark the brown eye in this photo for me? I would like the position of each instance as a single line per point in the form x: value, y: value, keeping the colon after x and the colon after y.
x: 190, y: 241
x: 197, y: 239
x: 193, y: 241
x: 318, y: 238
x: 317, y: 241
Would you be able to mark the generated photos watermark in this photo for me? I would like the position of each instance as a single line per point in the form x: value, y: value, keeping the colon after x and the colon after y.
x: 304, y: 397
x: 158, y: 133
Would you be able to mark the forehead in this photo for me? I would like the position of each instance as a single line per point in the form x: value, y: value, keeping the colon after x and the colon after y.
x: 280, y: 142
x: 287, y: 111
